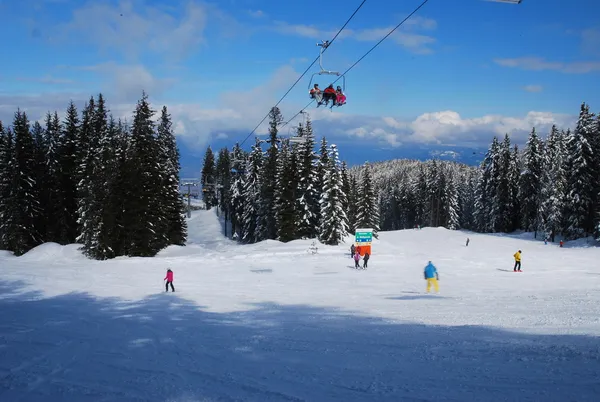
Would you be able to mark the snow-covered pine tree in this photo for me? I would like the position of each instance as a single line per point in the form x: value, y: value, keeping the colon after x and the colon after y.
x: 144, y: 178
x: 352, y: 205
x: 209, y: 179
x: 421, y: 191
x: 346, y: 189
x: 239, y: 167
x: 251, y: 195
x: 531, y: 179
x: 502, y: 200
x: 367, y: 216
x: 466, y: 191
x: 435, y: 184
x: 287, y: 182
x: 87, y: 148
x: 175, y: 225
x: 452, y: 204
x: 333, y: 228
x: 96, y: 229
x: 119, y: 190
x: 54, y: 203
x: 268, y: 209
x: 42, y: 187
x: 515, y: 177
x: 484, y: 191
x: 24, y: 212
x: 553, y: 184
x: 8, y: 202
x: 322, y: 165
x: 69, y: 160
x: 581, y: 184
x: 307, y: 201
x: 223, y: 175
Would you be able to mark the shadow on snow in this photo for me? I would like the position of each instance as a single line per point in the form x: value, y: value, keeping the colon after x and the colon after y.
x: 77, y: 347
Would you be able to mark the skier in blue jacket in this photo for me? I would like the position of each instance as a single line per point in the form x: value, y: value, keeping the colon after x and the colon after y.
x: 432, y: 277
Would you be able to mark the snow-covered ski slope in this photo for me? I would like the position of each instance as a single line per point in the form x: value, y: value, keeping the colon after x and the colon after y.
x: 272, y: 322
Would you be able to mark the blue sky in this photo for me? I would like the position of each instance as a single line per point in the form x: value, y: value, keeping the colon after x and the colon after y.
x: 457, y: 73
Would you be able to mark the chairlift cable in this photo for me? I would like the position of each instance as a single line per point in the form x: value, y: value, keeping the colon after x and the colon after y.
x: 365, y: 55
x: 305, y: 71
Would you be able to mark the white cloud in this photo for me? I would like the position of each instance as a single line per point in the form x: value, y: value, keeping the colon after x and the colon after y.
x: 540, y: 64
x: 533, y: 88
x: 590, y: 41
x: 233, y: 115
x: 134, y: 28
x: 403, y: 36
x: 442, y: 128
x: 257, y: 13
x: 126, y: 82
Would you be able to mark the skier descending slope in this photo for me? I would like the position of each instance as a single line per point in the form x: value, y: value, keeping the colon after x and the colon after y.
x: 432, y: 277
x: 169, y: 279
x: 517, y: 261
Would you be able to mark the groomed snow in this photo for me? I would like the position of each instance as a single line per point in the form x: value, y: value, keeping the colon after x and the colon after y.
x: 273, y: 322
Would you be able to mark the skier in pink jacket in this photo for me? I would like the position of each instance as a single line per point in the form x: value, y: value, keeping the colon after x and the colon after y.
x: 169, y: 279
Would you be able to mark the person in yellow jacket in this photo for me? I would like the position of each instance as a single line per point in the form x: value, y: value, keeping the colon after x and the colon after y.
x: 517, y: 256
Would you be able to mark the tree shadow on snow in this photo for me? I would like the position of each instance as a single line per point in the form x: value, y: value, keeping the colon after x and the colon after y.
x: 418, y: 297
x: 76, y: 347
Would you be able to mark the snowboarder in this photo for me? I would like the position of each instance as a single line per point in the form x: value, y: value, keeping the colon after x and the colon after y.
x: 169, y: 279
x: 561, y: 243
x: 356, y: 260
x: 467, y: 242
x: 366, y: 259
x: 352, y: 250
x: 432, y: 277
x: 517, y: 261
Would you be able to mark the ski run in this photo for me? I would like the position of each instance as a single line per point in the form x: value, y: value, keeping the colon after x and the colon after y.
x: 276, y: 322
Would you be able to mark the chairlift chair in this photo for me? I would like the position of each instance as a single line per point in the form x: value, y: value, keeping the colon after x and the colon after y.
x: 323, y: 45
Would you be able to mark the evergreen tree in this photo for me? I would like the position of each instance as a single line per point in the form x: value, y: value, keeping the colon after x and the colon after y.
x: 22, y: 217
x: 333, y: 228
x: 322, y: 165
x: 209, y: 179
x: 53, y: 196
x: 175, y: 228
x: 223, y: 173
x: 502, y: 206
x: 239, y: 167
x: 269, y: 179
x: 531, y: 180
x: 9, y: 204
x: 251, y: 197
x: 580, y: 179
x: 346, y: 190
x: 96, y: 217
x: 144, y: 178
x: 553, y: 185
x: 452, y: 205
x: 367, y: 216
x: 307, y: 201
x: 69, y: 161
x: 287, y: 182
x: 483, y: 193
x: 42, y: 188
x: 514, y: 180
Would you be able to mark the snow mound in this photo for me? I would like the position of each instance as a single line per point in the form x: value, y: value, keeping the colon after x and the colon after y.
x: 53, y: 252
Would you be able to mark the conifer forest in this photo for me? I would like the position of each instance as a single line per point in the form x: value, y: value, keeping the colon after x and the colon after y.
x: 113, y: 187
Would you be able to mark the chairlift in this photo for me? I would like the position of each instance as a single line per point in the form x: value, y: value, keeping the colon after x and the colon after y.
x: 297, y: 138
x: 323, y: 45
